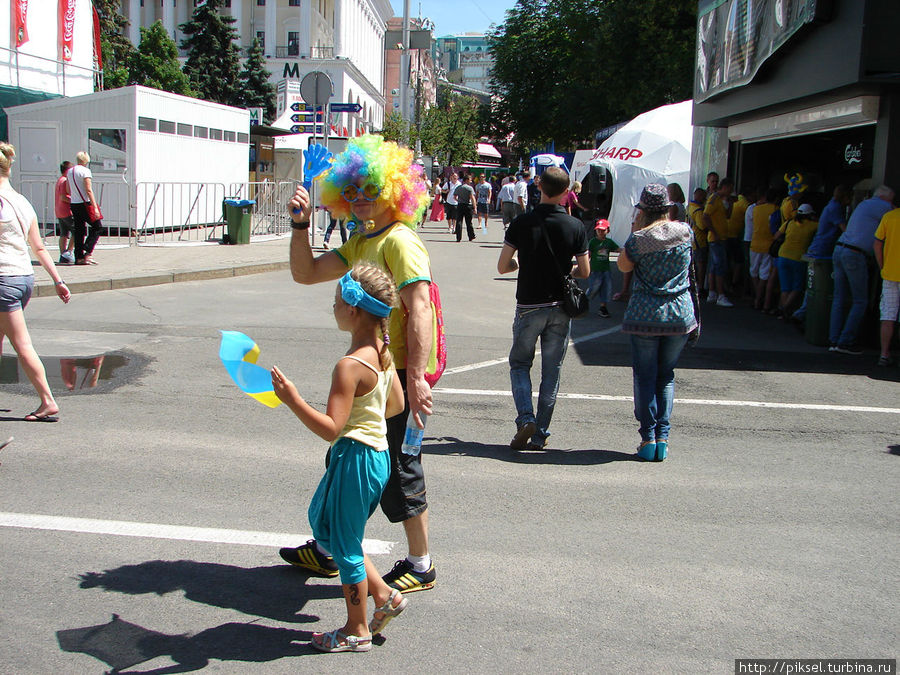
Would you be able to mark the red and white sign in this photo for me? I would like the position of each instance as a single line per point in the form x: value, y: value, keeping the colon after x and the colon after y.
x: 66, y: 29
x: 19, y: 22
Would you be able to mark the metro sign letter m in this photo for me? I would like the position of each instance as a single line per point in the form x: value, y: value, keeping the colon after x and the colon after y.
x: 291, y: 70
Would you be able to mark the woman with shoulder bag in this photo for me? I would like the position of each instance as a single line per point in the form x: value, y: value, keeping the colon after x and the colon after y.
x: 660, y: 314
x: 85, y: 210
x: 18, y: 231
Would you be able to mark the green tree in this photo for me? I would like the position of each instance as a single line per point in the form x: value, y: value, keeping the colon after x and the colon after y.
x: 564, y: 68
x: 450, y: 130
x: 115, y: 47
x: 155, y: 64
x: 213, y: 62
x: 393, y: 128
x: 256, y: 87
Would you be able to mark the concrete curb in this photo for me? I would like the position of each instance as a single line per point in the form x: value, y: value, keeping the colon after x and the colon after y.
x: 46, y: 288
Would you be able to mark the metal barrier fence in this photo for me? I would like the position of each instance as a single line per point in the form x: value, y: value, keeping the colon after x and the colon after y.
x: 168, y: 213
x: 270, y: 215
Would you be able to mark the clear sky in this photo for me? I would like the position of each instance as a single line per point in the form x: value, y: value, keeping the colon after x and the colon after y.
x: 457, y: 16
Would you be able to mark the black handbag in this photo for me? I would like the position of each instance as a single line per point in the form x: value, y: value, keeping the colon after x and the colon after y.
x: 575, y: 300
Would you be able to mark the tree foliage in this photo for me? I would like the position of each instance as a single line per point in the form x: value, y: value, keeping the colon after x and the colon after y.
x: 213, y: 62
x: 115, y: 47
x: 565, y: 68
x: 256, y: 88
x: 155, y: 64
x: 450, y: 130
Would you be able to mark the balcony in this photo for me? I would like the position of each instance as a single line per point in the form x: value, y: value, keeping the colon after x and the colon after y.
x: 287, y: 52
x: 293, y: 51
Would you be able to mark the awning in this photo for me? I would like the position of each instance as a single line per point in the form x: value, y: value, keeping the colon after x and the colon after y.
x: 488, y: 150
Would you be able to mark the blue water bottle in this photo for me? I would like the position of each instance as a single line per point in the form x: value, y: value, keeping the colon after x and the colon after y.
x: 412, y: 438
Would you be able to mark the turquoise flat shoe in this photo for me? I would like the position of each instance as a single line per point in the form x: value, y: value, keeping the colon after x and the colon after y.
x: 662, y: 447
x: 647, y: 452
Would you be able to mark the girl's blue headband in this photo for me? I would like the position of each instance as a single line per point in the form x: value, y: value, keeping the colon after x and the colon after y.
x: 354, y: 295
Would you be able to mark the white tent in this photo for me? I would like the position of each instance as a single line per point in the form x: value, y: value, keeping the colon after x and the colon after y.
x: 549, y: 160
x: 655, y: 147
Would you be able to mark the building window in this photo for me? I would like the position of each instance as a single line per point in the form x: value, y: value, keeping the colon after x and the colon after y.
x: 261, y: 36
x: 260, y: 3
x: 229, y: 136
x: 243, y: 138
x: 293, y: 45
x: 185, y: 129
x: 201, y: 132
x: 147, y: 123
x: 166, y: 127
x: 294, y: 3
x: 215, y: 134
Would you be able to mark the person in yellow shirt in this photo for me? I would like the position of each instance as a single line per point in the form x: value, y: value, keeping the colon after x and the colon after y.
x: 715, y: 217
x: 760, y: 260
x: 701, y: 247
x: 797, y: 234
x: 887, y: 255
x: 735, y: 231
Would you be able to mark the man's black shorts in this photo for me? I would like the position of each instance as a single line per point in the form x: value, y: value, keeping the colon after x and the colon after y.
x: 404, y: 494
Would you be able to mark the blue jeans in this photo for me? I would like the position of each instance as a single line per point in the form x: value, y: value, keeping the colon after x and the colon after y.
x: 851, y: 284
x: 653, y: 359
x: 599, y: 284
x: 551, y: 325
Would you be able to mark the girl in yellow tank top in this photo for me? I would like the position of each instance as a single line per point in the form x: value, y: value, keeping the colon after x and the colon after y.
x: 365, y: 390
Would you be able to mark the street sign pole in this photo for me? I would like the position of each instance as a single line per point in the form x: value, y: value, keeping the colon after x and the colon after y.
x: 316, y: 89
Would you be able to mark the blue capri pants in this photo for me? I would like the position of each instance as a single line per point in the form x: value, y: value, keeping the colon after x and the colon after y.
x: 347, y: 496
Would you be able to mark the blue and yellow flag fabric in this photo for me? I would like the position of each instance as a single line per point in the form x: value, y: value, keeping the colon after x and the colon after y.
x: 239, y: 353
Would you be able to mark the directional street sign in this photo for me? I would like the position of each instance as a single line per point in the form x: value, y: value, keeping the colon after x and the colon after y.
x: 306, y: 129
x: 306, y: 117
x: 298, y: 107
x: 345, y: 107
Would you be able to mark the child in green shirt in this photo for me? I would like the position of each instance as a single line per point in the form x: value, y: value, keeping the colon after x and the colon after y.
x: 600, y: 280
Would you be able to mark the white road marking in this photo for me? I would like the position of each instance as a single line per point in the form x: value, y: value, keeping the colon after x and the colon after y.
x: 156, y: 531
x: 687, y: 401
x: 495, y: 362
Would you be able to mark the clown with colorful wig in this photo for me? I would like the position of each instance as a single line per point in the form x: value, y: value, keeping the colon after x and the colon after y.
x: 376, y: 184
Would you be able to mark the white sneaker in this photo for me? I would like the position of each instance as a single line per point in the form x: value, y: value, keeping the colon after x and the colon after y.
x: 712, y: 297
x: 724, y: 302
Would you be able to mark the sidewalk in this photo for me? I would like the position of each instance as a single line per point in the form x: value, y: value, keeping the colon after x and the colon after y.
x: 132, y: 266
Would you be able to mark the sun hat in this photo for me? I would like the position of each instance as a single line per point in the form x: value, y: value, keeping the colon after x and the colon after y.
x: 654, y: 197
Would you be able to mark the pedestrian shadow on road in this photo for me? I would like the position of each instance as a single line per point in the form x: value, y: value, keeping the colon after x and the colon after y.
x: 447, y: 445
x: 276, y: 592
x: 122, y: 644
x: 894, y: 450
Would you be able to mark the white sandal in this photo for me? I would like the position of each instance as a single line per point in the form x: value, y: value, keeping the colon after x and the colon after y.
x: 331, y: 642
x: 389, y: 612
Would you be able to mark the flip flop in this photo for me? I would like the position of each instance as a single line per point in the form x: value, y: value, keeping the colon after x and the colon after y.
x: 33, y: 417
x: 389, y: 611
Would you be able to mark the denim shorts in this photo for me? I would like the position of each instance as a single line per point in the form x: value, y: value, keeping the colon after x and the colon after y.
x: 15, y: 292
x: 718, y: 258
x: 791, y: 275
x: 482, y: 208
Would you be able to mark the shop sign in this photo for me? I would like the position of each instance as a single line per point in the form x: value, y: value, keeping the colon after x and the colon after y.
x: 735, y: 37
x: 613, y: 152
x: 854, y: 155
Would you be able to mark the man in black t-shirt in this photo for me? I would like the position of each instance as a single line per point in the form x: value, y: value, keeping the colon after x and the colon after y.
x: 539, y: 295
x: 534, y: 191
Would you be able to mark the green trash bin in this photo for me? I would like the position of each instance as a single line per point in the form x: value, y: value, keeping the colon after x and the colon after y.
x: 238, y: 213
x: 819, y: 294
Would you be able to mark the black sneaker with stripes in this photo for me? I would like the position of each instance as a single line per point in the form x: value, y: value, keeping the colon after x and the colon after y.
x: 406, y: 580
x: 309, y: 558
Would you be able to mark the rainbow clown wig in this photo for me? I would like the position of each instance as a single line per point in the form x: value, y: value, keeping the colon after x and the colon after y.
x: 385, y: 164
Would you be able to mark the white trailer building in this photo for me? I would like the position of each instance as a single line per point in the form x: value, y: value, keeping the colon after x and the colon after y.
x: 160, y: 161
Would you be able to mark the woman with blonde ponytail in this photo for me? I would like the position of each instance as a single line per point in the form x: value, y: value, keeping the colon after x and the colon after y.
x: 18, y: 231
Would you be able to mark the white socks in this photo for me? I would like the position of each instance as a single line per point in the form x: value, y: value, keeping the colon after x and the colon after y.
x: 420, y: 563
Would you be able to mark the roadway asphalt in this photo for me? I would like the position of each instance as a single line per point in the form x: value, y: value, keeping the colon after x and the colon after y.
x: 771, y: 531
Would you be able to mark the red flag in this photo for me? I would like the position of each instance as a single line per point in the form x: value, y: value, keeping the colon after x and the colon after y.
x: 66, y: 28
x: 98, y: 52
x: 20, y: 16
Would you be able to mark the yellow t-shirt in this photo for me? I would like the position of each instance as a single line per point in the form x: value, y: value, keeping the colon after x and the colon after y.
x: 715, y: 209
x: 695, y: 213
x: 399, y: 251
x: 762, y: 235
x: 798, y: 234
x: 889, y: 232
x: 736, y: 221
x: 366, y: 422
x: 788, y: 210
